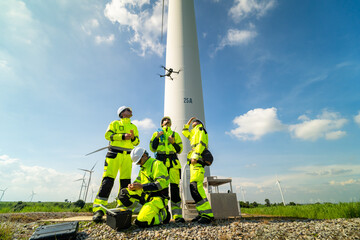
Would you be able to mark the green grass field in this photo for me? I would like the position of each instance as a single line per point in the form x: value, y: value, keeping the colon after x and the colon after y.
x: 311, y: 211
x: 13, y: 207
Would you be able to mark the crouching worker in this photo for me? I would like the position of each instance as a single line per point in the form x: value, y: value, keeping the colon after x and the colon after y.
x: 150, y: 189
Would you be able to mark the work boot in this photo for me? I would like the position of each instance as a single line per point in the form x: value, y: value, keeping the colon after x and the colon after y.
x: 97, y: 217
x: 196, y: 218
x: 204, y: 220
x: 180, y: 220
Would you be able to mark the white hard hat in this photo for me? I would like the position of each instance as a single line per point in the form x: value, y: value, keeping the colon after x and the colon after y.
x: 121, y: 109
x: 136, y: 154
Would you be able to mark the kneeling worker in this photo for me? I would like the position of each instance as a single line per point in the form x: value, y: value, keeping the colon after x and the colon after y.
x: 151, y: 189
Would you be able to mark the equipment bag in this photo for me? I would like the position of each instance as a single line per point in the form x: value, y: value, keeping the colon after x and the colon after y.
x: 207, y: 157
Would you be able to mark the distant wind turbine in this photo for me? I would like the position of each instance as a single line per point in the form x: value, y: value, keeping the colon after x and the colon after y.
x: 92, y: 194
x: 83, y: 184
x: 90, y: 173
x: 3, y: 192
x: 282, y: 196
x: 32, y: 195
x: 242, y: 193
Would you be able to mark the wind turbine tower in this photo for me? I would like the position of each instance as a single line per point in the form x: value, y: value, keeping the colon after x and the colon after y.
x: 87, y: 187
x: 242, y: 193
x: 83, y: 184
x: 32, y: 195
x: 282, y: 196
x: 183, y: 94
x: 3, y: 192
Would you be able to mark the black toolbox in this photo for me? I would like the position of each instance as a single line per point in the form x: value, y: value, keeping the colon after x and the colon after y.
x: 118, y: 218
x: 59, y: 231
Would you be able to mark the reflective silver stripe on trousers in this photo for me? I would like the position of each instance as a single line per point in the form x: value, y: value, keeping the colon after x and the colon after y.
x: 132, y: 206
x: 101, y: 198
x: 178, y: 204
x: 158, y: 185
x: 176, y: 212
x: 202, y: 202
x: 205, y: 211
x: 96, y: 205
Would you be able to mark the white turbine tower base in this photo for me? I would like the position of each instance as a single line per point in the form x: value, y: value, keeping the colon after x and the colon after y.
x: 183, y: 94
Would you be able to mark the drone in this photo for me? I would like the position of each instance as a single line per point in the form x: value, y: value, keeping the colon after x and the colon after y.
x: 168, y: 72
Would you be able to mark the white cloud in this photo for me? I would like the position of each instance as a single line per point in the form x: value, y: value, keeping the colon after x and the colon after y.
x: 89, y: 26
x: 302, y: 184
x: 47, y: 183
x: 4, y: 65
x: 102, y: 39
x: 6, y: 160
x: 357, y: 118
x: 143, y: 22
x: 256, y: 123
x: 326, y: 126
x: 335, y: 135
x: 18, y: 25
x: 145, y: 124
x: 236, y: 37
x: 245, y: 8
x: 343, y: 183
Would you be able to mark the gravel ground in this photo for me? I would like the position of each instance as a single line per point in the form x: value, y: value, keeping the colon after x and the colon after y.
x: 244, y: 228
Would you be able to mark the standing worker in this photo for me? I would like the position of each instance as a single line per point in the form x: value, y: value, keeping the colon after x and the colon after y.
x: 198, y: 158
x: 150, y: 189
x: 123, y: 137
x: 167, y: 144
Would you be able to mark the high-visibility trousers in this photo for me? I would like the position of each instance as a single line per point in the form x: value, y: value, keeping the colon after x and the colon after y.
x: 153, y: 211
x: 175, y: 199
x: 197, y: 191
x: 114, y: 163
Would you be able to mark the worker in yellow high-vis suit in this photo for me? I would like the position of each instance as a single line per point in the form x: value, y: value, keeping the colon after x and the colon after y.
x: 198, y: 158
x: 123, y: 136
x: 167, y: 144
x: 150, y: 189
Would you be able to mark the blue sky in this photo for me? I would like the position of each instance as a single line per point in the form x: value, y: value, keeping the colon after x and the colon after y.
x: 280, y: 81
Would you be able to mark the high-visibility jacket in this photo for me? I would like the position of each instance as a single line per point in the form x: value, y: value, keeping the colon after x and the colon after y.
x: 116, y: 134
x: 198, y: 140
x: 154, y: 177
x: 164, y: 146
